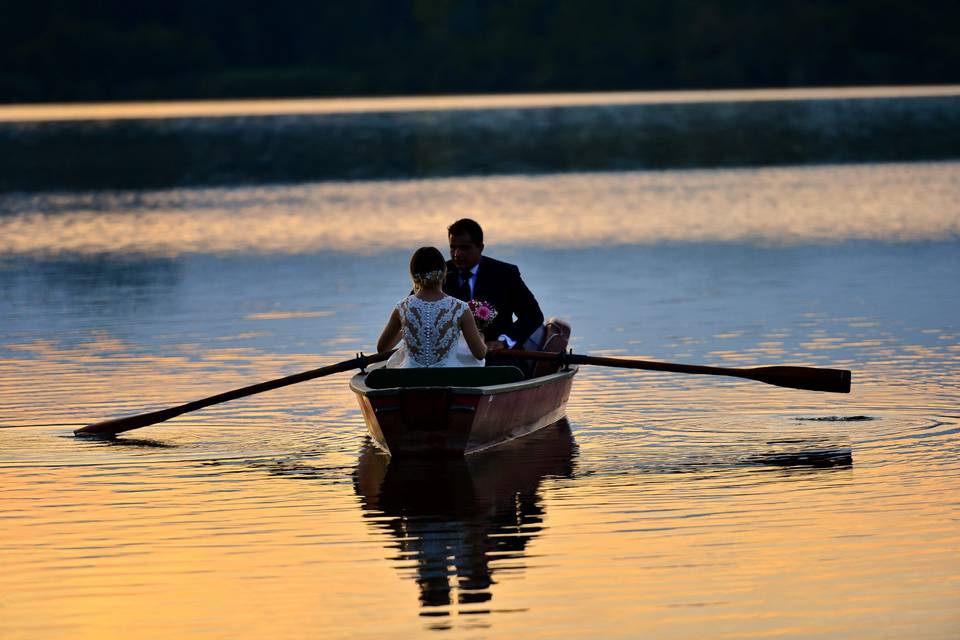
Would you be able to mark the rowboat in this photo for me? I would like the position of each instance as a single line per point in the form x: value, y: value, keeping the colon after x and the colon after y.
x: 457, y: 411
x: 463, y: 410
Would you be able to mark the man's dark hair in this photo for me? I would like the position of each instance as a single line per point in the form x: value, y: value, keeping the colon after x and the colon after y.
x: 469, y: 227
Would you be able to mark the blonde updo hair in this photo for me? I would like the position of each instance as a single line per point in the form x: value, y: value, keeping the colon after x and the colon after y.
x: 427, y: 267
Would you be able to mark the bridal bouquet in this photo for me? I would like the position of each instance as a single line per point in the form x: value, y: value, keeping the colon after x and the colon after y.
x: 483, y: 313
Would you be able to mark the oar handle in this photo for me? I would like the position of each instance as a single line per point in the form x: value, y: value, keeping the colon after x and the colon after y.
x: 807, y: 378
x: 118, y: 425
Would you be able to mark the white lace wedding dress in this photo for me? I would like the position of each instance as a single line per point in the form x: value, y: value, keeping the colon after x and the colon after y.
x: 431, y: 335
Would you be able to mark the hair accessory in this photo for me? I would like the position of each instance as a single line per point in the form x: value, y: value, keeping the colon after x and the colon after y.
x: 429, y: 276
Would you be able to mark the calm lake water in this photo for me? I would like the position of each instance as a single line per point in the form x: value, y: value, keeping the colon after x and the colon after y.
x: 668, y: 506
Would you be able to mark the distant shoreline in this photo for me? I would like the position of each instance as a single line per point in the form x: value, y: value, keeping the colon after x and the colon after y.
x: 161, y: 145
x: 167, y: 109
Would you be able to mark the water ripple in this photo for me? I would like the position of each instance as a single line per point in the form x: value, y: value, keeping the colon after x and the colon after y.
x: 667, y: 501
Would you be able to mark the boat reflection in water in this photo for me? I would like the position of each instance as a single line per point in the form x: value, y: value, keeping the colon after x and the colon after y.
x: 459, y: 520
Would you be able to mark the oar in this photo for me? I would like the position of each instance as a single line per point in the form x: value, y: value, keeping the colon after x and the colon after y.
x: 118, y: 425
x: 809, y: 378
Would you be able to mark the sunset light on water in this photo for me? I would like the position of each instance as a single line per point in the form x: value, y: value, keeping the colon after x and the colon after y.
x: 173, y: 226
x: 304, y: 106
x: 670, y: 504
x: 910, y: 202
x: 480, y: 320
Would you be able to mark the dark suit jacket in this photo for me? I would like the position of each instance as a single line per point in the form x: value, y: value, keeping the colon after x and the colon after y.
x: 500, y: 284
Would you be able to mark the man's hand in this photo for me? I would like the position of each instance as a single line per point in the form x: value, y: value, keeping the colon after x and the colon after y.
x: 494, y: 346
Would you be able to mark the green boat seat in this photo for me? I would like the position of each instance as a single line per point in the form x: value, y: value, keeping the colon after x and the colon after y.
x: 442, y: 377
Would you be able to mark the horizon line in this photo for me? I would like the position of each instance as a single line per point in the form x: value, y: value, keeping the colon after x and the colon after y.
x: 254, y: 107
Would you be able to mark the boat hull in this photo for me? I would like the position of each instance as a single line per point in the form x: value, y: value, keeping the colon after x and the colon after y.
x: 460, y: 420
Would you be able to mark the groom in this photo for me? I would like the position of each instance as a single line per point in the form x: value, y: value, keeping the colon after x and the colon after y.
x: 473, y: 276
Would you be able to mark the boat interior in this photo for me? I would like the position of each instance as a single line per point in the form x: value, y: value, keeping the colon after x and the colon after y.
x: 383, y: 378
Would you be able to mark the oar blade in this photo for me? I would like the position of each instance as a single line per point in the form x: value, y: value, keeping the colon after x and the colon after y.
x: 110, y: 428
x: 807, y: 378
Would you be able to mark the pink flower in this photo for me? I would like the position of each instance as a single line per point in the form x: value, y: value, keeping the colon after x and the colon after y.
x: 483, y: 312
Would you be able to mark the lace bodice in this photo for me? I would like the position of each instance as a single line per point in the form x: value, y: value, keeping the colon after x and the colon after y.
x: 430, y: 329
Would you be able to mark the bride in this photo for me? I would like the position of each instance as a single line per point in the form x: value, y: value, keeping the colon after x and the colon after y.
x: 436, y: 330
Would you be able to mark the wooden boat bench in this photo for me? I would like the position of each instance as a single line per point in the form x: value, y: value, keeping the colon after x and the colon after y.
x: 442, y: 377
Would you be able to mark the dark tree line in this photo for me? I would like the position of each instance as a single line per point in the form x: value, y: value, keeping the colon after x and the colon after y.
x: 123, y: 49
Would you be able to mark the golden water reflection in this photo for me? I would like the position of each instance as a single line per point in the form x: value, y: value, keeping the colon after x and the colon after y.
x: 683, y: 505
x: 688, y: 506
x: 302, y: 106
x: 894, y: 203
